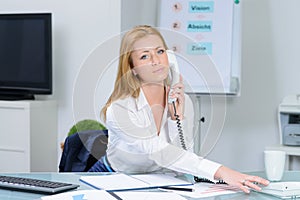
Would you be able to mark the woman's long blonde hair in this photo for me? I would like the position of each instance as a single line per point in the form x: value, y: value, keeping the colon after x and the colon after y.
x: 127, y: 84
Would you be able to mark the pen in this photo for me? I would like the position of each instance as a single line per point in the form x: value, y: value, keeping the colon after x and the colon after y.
x: 114, y: 195
x: 178, y: 189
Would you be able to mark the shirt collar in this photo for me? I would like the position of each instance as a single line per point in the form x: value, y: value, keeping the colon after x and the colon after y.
x: 141, y: 101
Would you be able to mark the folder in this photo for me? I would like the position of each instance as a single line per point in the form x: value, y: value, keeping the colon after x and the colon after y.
x: 121, y: 182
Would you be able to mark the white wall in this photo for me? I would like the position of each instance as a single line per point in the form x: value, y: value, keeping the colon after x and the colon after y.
x: 137, y: 12
x: 78, y: 27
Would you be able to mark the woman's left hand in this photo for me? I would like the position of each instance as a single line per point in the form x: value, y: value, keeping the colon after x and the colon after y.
x: 243, y: 181
x: 177, y: 91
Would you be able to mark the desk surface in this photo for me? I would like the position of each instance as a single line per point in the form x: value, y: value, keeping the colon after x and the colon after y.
x: 74, y: 178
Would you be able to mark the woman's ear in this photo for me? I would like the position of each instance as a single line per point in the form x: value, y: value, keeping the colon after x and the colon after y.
x: 133, y: 72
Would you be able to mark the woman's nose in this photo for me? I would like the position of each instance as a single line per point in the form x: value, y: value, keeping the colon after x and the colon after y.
x: 155, y: 59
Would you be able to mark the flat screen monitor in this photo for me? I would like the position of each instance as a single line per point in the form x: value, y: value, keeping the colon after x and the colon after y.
x: 25, y: 55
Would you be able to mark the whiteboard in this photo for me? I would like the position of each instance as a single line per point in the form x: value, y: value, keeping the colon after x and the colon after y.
x: 206, y: 38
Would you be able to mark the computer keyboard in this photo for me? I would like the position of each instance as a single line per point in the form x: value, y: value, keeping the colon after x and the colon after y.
x: 34, y: 185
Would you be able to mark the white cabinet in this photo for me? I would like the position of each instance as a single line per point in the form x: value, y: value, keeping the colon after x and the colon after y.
x: 28, y: 136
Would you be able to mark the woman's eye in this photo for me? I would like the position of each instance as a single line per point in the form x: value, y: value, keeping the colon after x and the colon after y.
x: 143, y: 57
x: 161, y: 51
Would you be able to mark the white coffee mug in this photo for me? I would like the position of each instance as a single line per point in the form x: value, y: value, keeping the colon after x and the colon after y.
x: 274, y: 164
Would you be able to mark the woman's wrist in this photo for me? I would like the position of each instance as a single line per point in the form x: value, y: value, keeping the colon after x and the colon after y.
x: 218, y: 175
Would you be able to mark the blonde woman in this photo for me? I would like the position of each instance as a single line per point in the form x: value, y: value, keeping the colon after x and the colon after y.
x: 143, y: 132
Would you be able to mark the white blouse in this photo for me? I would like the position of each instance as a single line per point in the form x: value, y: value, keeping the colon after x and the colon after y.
x: 135, y: 147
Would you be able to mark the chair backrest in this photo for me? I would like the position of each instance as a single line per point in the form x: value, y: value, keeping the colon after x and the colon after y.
x: 82, y: 150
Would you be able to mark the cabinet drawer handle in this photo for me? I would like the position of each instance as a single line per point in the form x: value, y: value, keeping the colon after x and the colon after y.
x: 12, y: 150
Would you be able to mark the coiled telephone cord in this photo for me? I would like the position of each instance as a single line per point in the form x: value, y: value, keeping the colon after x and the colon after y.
x: 179, y: 127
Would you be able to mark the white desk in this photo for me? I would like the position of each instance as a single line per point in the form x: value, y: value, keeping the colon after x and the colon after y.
x: 289, y: 150
x: 74, y: 178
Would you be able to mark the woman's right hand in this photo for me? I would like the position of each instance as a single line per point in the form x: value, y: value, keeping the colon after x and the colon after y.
x: 178, y: 93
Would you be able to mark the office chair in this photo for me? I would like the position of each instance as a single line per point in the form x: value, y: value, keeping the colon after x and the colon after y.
x: 82, y: 150
x: 84, y: 125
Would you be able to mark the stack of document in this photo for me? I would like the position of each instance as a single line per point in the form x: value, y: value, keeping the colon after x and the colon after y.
x: 202, y: 190
x: 121, y: 182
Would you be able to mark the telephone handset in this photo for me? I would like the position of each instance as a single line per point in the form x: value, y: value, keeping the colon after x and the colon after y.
x: 175, y: 78
x: 174, y: 72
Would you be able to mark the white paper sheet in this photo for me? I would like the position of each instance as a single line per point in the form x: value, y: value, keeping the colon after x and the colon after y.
x: 129, y: 195
x: 208, y: 190
x: 81, y: 195
x: 117, y: 182
x: 154, y: 180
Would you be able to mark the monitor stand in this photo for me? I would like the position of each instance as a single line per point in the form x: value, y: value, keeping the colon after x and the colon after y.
x: 16, y: 97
